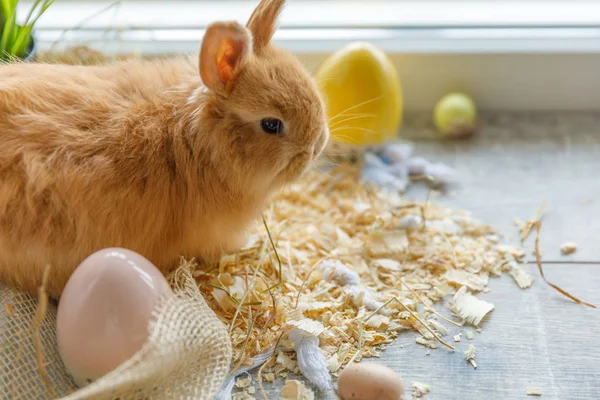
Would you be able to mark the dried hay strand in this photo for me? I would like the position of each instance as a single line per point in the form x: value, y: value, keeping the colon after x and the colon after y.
x: 280, y: 280
x: 537, y: 224
x: 36, y: 324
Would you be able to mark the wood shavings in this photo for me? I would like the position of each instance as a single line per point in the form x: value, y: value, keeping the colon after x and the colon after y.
x: 457, y: 337
x: 444, y: 226
x: 242, y: 383
x: 521, y: 277
x: 427, y: 343
x: 338, y: 272
x: 244, y: 395
x: 568, y: 248
x: 363, y: 297
x: 314, y: 305
x: 420, y: 390
x: 388, y: 242
x: 427, y: 306
x: 337, y: 359
x: 534, y: 391
x: 286, y: 361
x: 471, y: 309
x: 350, y: 265
x: 223, y: 299
x: 387, y: 264
x: 464, y: 278
x: 441, y: 329
x: 333, y: 363
x: 286, y: 345
x: 469, y: 335
x: 524, y: 228
x: 527, y: 226
x: 409, y: 222
x: 226, y: 279
x: 295, y: 390
x: 516, y: 252
x: 378, y: 321
x: 308, y: 325
x: 470, y: 355
x: 269, y: 377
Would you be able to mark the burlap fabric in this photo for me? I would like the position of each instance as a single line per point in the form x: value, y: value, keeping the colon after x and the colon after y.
x: 187, y: 356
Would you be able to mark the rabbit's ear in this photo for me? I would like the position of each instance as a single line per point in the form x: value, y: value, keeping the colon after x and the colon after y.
x: 262, y: 22
x: 224, y: 52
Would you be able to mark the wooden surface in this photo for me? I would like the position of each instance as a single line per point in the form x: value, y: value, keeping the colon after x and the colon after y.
x: 534, y: 337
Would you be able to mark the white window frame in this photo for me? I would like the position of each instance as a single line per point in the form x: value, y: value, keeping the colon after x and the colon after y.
x: 524, y: 55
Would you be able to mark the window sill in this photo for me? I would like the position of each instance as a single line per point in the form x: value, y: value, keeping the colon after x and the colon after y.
x: 505, y: 54
x: 320, y: 41
x: 329, y: 13
x: 307, y: 26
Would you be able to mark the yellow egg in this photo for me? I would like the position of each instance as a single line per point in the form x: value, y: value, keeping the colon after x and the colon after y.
x: 363, y: 95
x: 455, y: 115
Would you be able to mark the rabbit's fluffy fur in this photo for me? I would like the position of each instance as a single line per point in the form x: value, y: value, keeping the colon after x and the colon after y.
x: 143, y: 155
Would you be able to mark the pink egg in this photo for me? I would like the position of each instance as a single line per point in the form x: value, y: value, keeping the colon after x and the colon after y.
x: 104, y: 311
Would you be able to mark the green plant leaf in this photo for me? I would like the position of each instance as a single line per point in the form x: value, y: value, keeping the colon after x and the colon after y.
x: 7, y: 8
x: 36, y: 3
x: 19, y: 47
x: 24, y: 38
x: 16, y: 39
x: 8, y: 26
x: 8, y: 34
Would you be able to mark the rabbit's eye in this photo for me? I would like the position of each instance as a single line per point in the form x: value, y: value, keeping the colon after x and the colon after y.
x: 271, y: 126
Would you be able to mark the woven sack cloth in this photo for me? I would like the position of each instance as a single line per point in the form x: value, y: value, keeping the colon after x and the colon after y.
x: 187, y: 355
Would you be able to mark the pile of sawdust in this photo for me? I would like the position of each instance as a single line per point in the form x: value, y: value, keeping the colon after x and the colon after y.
x: 357, y: 267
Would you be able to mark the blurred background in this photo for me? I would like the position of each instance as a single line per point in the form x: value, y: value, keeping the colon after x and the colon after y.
x: 510, y: 55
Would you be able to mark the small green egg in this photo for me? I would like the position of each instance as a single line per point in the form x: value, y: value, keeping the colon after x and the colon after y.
x: 455, y: 115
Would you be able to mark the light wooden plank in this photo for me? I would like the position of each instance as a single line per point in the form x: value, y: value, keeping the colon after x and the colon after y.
x: 518, y: 162
x: 534, y: 338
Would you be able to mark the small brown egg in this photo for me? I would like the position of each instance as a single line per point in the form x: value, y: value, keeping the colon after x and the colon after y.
x: 104, y: 311
x: 369, y: 381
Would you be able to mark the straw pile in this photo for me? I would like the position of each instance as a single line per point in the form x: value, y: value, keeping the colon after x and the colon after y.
x: 398, y: 259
